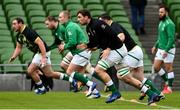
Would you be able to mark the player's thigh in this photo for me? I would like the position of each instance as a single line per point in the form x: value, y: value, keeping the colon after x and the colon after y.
x: 73, y: 67
x: 157, y: 64
x: 168, y: 67
x: 66, y: 60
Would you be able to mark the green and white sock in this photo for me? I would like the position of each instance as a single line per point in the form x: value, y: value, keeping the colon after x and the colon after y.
x: 147, y: 91
x: 170, y: 79
x: 149, y: 83
x: 111, y: 86
x: 163, y: 75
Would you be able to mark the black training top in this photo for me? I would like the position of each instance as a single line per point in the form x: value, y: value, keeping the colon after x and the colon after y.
x: 129, y: 42
x: 102, y: 36
x: 27, y: 37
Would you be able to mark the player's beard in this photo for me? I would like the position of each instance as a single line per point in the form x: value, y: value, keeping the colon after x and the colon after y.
x: 162, y: 18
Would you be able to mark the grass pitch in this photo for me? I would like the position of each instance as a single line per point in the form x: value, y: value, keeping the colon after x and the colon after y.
x: 70, y: 100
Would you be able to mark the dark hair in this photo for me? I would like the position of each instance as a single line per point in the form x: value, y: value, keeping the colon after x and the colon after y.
x: 84, y: 12
x: 164, y: 6
x: 19, y: 20
x: 105, y: 16
x: 51, y: 18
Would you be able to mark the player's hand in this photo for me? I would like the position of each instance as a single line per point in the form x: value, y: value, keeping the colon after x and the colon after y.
x: 11, y: 59
x: 81, y: 46
x: 43, y: 62
x: 153, y: 50
x: 61, y: 47
x: 105, y: 53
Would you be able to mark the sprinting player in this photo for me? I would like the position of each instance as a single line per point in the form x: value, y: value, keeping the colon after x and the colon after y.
x: 74, y: 36
x: 134, y: 58
x: 59, y: 35
x: 165, y: 49
x: 102, y: 36
x: 28, y: 37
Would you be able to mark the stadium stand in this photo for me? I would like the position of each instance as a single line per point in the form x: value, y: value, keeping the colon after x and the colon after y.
x: 35, y: 11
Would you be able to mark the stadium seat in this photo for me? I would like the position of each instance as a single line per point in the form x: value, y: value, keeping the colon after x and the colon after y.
x: 37, y: 19
x: 44, y: 32
x: 171, y: 2
x: 54, y: 13
x: 50, y: 7
x: 37, y: 26
x: 9, y: 7
x: 121, y: 19
x: 74, y: 7
x: 67, y: 2
x: 27, y: 57
x: 7, y: 45
x: 111, y: 7
x: 15, y: 13
x: 87, y: 2
x: 107, y: 2
x: 6, y: 39
x: 47, y: 2
x: 73, y: 13
x: 36, y: 13
x: 173, y: 8
x: 91, y: 7
x: 126, y: 25
x: 96, y: 13
x: 176, y: 15
x: 27, y: 2
x: 2, y: 19
x: 5, y: 32
x: 178, y: 24
x: 115, y: 13
x: 3, y: 26
x: 30, y: 7
x: 1, y: 13
x: 5, y: 2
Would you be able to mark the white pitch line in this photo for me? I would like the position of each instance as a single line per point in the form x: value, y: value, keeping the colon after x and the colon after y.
x: 135, y: 101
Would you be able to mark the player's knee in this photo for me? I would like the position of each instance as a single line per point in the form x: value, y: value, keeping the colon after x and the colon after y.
x: 63, y: 66
x: 156, y: 69
x: 123, y: 72
x: 103, y: 65
x: 127, y: 79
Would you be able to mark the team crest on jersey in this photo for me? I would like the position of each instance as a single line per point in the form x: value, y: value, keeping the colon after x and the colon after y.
x: 103, y: 26
x: 22, y: 39
x: 69, y: 33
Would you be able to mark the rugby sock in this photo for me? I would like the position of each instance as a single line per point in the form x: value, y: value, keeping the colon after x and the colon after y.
x: 65, y: 77
x: 170, y: 78
x: 163, y: 75
x: 97, y: 77
x: 111, y: 86
x: 80, y: 77
x: 149, y: 83
x: 40, y: 85
x: 146, y: 90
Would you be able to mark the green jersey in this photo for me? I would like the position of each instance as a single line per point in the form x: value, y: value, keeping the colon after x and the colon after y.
x: 166, y: 35
x: 74, y: 36
x: 58, y: 34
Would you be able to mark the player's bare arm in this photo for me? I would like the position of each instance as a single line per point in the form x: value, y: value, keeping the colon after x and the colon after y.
x: 17, y: 51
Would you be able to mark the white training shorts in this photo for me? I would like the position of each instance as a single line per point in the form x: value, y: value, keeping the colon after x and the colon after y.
x: 169, y: 58
x: 81, y: 58
x: 115, y: 57
x: 37, y: 58
x: 134, y: 58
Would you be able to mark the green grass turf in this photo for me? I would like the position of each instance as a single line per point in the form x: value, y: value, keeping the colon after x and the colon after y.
x: 69, y: 100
